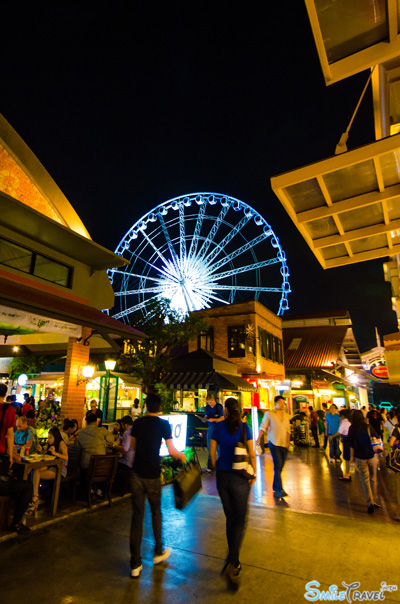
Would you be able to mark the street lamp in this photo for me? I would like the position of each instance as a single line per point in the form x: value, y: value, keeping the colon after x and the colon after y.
x: 110, y: 366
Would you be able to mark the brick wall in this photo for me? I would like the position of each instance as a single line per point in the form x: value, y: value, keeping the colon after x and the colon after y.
x: 246, y: 313
x: 17, y: 184
x: 73, y: 396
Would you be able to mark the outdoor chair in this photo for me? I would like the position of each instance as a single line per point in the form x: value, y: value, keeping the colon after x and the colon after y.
x: 102, y: 469
x: 73, y: 468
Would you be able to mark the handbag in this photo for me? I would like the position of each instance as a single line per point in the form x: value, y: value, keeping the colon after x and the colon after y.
x: 187, y: 483
x: 241, y: 460
x: 4, y: 457
x: 376, y: 443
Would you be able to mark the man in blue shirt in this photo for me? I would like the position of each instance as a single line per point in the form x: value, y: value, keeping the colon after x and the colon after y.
x: 214, y: 413
x: 332, y: 421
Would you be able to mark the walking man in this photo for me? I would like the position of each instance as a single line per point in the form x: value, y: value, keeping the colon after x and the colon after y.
x: 314, y: 426
x: 147, y: 434
x: 276, y: 426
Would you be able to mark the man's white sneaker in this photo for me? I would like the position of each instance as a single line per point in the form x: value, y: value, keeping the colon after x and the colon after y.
x: 166, y: 554
x: 135, y: 572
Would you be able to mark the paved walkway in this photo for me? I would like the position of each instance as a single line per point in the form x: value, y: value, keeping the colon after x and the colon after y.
x: 322, y: 533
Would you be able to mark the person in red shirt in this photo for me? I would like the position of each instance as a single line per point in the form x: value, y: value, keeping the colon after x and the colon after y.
x: 20, y: 490
x: 26, y: 406
x: 314, y: 426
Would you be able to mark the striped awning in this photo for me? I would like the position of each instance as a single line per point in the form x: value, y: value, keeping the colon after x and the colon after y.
x: 207, y: 381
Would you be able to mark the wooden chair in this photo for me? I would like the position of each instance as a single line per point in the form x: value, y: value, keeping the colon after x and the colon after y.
x: 73, y: 468
x: 102, y: 469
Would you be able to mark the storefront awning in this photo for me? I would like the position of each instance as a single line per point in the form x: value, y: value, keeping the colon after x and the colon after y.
x: 28, y: 299
x: 207, y: 381
x: 50, y: 378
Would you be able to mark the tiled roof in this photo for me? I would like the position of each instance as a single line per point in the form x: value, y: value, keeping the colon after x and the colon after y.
x: 312, y: 347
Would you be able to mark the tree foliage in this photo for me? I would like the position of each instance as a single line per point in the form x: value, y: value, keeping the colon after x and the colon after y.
x: 149, y: 359
x: 31, y: 365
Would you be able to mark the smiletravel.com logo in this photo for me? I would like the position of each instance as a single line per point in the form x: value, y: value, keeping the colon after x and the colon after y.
x: 350, y: 593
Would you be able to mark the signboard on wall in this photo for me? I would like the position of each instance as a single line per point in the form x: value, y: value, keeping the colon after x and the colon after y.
x: 178, y: 425
x: 379, y: 371
x: 323, y: 384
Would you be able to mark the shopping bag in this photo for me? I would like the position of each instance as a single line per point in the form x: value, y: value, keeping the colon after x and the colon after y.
x: 187, y: 483
x: 241, y: 459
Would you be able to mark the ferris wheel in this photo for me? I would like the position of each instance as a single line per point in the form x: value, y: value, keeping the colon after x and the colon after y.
x: 199, y: 250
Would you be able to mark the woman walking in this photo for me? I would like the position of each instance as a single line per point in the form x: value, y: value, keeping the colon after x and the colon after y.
x: 233, y: 488
x: 366, y: 459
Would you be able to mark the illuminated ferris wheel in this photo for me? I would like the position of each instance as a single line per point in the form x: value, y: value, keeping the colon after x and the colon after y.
x: 200, y: 250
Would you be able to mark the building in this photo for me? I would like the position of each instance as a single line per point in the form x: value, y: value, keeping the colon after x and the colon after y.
x: 347, y: 207
x: 250, y: 336
x: 53, y: 277
x: 322, y: 361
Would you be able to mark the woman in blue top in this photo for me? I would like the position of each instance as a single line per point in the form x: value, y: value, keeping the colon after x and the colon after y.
x: 232, y: 487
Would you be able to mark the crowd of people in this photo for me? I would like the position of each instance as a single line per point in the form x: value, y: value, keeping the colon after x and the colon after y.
x: 359, y: 436
x: 19, y: 438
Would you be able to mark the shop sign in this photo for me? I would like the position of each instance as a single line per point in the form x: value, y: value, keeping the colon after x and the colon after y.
x: 379, y: 371
x: 320, y: 384
x: 300, y: 398
x: 178, y: 425
x: 338, y: 386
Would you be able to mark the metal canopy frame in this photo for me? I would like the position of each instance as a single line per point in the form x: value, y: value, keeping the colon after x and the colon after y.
x: 372, y: 54
x: 339, y: 226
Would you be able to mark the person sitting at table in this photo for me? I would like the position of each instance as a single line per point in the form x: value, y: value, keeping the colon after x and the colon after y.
x: 19, y: 490
x: 70, y: 431
x: 94, y: 409
x: 58, y: 448
x: 93, y: 440
x: 31, y: 418
x: 125, y: 464
x: 118, y: 431
x: 25, y: 436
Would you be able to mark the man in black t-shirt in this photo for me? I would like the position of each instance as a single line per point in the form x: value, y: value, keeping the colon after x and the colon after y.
x: 147, y: 434
x: 98, y: 412
x: 375, y: 419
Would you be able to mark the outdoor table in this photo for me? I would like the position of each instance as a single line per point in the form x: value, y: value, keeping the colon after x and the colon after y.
x: 28, y: 466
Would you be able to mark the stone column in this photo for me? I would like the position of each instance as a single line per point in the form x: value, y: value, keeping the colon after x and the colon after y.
x: 73, y: 396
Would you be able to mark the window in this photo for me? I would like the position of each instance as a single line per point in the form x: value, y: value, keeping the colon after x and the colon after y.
x: 270, y: 346
x: 236, y: 341
x: 28, y: 261
x: 206, y: 340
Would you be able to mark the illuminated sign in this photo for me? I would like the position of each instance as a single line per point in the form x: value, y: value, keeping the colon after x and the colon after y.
x: 379, y: 371
x: 22, y: 379
x: 178, y: 425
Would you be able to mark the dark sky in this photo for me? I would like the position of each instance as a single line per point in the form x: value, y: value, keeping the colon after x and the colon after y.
x: 130, y: 104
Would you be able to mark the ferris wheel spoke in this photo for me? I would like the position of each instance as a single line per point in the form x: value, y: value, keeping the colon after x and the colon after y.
x: 157, y: 251
x: 241, y: 250
x: 156, y: 279
x: 248, y: 288
x: 213, y: 232
x: 142, y: 290
x: 196, y: 234
x: 171, y: 248
x: 211, y: 296
x: 182, y: 242
x: 229, y: 237
x: 244, y: 269
x: 134, y: 309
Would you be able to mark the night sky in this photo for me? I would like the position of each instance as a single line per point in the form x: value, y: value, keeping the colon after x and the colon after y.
x: 128, y: 107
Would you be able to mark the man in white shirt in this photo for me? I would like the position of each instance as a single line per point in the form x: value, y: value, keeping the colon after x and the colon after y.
x: 276, y: 426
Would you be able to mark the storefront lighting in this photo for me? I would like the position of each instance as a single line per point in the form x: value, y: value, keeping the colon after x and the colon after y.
x: 110, y: 364
x: 15, y: 348
x: 297, y: 384
x: 353, y: 378
x: 85, y: 374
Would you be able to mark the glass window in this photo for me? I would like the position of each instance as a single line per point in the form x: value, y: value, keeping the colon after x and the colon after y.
x: 206, y: 340
x: 305, y: 195
x: 15, y: 256
x: 236, y: 341
x: 28, y: 261
x: 349, y: 26
x: 351, y: 181
x: 51, y: 271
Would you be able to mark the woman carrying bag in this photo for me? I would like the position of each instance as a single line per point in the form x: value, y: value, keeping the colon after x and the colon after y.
x: 233, y: 488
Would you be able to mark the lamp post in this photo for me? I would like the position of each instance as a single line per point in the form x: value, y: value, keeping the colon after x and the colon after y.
x: 110, y: 366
